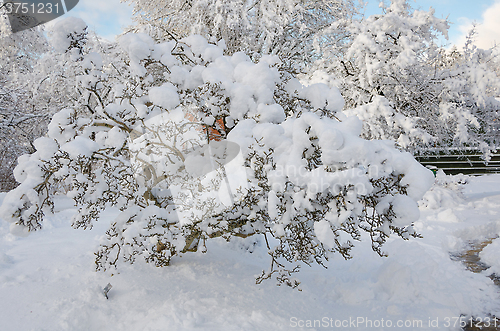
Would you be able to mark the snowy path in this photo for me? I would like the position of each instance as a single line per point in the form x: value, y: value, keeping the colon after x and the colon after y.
x: 47, y: 280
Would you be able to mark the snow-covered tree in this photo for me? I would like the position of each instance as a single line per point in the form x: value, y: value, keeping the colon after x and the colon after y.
x: 19, y: 120
x: 298, y: 29
x: 36, y: 81
x: 392, y: 77
x: 191, y: 145
x: 473, y: 84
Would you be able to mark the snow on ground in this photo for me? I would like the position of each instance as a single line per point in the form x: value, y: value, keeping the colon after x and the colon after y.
x: 48, y: 282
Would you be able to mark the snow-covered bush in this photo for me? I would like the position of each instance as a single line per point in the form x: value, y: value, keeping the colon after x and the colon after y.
x: 191, y: 145
x: 446, y: 191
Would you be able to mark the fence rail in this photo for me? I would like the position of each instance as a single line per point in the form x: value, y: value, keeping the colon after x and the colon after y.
x: 469, y: 163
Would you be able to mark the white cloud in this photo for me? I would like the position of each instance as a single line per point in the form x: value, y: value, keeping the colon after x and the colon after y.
x: 105, y: 17
x: 488, y: 29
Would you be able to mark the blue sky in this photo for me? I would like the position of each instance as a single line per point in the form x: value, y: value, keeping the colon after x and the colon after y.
x: 107, y: 17
x: 461, y: 13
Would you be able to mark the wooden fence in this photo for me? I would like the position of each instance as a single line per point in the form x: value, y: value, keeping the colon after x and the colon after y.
x: 465, y: 162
